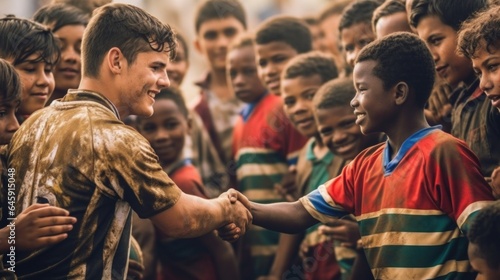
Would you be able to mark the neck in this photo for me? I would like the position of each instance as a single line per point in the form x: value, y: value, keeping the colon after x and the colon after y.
x: 218, y: 85
x: 319, y: 149
x: 104, y: 88
x: 404, y: 127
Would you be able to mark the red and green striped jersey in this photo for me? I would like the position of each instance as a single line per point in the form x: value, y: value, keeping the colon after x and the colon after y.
x: 413, y: 210
x: 264, y: 145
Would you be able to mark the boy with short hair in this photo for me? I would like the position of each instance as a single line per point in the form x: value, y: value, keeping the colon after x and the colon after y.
x: 83, y: 158
x: 301, y: 78
x: 390, y: 17
x: 437, y: 22
x: 259, y: 149
x: 414, y: 195
x: 479, y: 40
x: 34, y: 52
x: 484, y: 243
x: 217, y: 24
x: 67, y: 23
x: 355, y: 28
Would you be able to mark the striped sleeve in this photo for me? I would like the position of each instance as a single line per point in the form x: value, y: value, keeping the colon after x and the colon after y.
x: 320, y: 205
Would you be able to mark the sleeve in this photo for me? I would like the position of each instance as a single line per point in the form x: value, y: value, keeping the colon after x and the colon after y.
x: 458, y: 186
x: 127, y: 166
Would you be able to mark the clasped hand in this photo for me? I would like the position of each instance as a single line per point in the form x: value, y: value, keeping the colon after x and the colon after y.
x: 241, y: 216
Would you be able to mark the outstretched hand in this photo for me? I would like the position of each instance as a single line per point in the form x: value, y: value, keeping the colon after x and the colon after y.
x: 42, y: 225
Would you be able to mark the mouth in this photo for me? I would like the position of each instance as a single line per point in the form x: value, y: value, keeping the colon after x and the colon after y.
x: 441, y: 70
x: 359, y: 117
x: 304, y: 123
x: 344, y: 148
x: 152, y: 94
x: 495, y: 100
x: 273, y: 84
x: 40, y: 95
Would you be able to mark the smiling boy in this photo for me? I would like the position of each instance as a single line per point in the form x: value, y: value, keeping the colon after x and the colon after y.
x: 414, y: 195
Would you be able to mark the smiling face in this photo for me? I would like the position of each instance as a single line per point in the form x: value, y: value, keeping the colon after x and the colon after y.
x: 487, y: 67
x: 339, y: 132
x: 37, y: 83
x: 271, y: 60
x: 242, y: 72
x: 297, y: 99
x: 67, y: 73
x: 214, y: 38
x: 165, y: 130
x: 373, y: 105
x: 441, y: 39
x: 140, y: 82
x: 354, y: 38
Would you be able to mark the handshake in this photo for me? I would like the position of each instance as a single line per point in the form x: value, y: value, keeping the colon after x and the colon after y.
x: 239, y: 216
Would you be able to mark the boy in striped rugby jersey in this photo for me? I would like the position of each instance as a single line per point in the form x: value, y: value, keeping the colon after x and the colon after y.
x: 414, y: 195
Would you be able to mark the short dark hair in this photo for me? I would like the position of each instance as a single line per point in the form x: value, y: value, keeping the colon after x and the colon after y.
x: 127, y: 27
x: 87, y: 6
x: 358, y: 12
x: 289, y: 30
x: 484, y: 232
x: 245, y: 40
x: 402, y: 57
x: 333, y: 8
x: 481, y: 31
x: 309, y: 64
x: 10, y: 83
x: 450, y: 12
x: 22, y: 38
x: 388, y: 8
x: 174, y: 94
x: 60, y: 15
x: 219, y: 9
x: 335, y: 93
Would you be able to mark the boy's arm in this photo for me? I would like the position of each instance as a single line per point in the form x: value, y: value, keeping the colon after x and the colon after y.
x: 192, y: 216
x: 38, y: 226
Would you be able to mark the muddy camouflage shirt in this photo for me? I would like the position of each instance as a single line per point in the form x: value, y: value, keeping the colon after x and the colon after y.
x: 77, y: 154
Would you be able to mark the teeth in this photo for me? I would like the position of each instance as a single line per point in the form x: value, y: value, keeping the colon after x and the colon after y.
x: 151, y: 94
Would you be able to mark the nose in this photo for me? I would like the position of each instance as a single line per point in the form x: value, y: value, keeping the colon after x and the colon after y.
x: 338, y: 136
x: 485, y: 83
x: 44, y: 78
x: 162, y: 135
x: 354, y: 102
x: 164, y: 81
x: 12, y: 123
x: 70, y: 55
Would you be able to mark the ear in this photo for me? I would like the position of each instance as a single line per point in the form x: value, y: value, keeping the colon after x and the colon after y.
x: 401, y: 93
x: 115, y: 60
x: 197, y: 45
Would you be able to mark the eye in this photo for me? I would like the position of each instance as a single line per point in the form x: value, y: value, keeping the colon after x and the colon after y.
x: 310, y: 95
x: 492, y: 67
x: 262, y: 63
x: 2, y: 113
x: 210, y: 35
x: 148, y: 128
x: 230, y: 32
x: 289, y: 102
x: 435, y: 41
x: 232, y: 74
x: 326, y: 131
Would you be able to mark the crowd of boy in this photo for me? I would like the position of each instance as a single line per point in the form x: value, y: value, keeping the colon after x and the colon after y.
x: 361, y: 143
